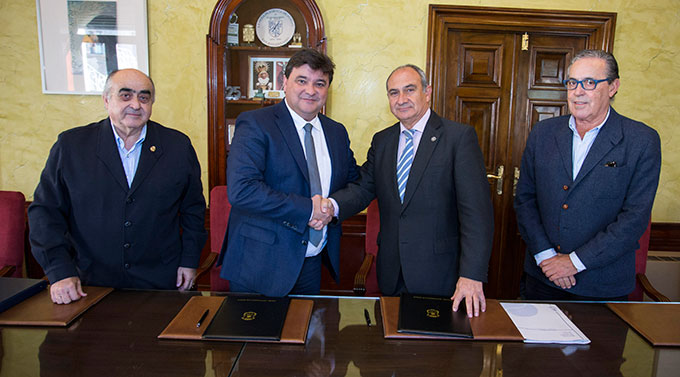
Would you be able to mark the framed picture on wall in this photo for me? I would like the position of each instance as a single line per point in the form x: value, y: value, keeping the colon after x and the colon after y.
x: 82, y: 41
x: 266, y: 76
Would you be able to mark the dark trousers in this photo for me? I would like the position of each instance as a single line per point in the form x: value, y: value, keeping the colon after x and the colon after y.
x: 537, y: 290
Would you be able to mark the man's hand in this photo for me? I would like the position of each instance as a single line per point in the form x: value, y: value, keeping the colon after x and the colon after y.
x: 66, y: 290
x: 558, y: 267
x: 473, y: 293
x: 323, y: 212
x: 566, y: 283
x: 185, y: 278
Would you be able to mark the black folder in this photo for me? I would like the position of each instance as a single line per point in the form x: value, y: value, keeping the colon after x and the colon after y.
x: 16, y: 290
x: 430, y: 315
x: 249, y: 318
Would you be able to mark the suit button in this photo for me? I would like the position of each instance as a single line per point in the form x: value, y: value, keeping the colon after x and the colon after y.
x: 129, y: 200
x: 304, y: 242
x: 128, y: 224
x: 127, y: 245
x: 559, y: 247
x: 565, y: 206
x: 127, y: 266
x: 565, y: 187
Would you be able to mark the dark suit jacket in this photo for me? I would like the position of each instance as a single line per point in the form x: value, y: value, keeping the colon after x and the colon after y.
x: 608, y: 207
x: 85, y: 221
x: 268, y: 188
x: 444, y: 229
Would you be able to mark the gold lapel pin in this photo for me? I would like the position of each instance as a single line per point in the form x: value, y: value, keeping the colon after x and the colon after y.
x: 434, y: 138
x: 153, y: 148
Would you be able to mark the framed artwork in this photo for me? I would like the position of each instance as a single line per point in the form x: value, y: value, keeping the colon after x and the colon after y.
x: 82, y: 41
x: 265, y: 79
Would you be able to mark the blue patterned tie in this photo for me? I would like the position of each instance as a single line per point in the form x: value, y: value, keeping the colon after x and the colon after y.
x: 404, y: 165
x: 314, y: 179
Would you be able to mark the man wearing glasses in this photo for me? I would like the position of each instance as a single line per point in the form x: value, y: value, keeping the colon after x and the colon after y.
x: 586, y: 190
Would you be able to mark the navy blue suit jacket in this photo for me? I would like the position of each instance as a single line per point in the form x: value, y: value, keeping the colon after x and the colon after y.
x: 444, y: 228
x: 268, y: 187
x: 86, y: 222
x: 602, y: 213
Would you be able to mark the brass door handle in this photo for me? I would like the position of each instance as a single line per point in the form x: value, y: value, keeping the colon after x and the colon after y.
x: 499, y: 179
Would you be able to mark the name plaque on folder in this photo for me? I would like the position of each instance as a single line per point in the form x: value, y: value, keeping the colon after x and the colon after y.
x: 430, y: 315
x: 249, y: 318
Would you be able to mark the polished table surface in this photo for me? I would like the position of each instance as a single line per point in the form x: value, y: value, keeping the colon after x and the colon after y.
x: 118, y: 337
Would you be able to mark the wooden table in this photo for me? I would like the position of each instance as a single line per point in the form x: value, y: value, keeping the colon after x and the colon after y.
x: 117, y: 337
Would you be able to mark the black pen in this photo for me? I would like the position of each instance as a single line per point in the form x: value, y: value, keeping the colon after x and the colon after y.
x: 368, y: 317
x: 200, y: 321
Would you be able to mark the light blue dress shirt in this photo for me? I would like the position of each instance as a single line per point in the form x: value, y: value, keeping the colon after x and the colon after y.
x: 129, y: 158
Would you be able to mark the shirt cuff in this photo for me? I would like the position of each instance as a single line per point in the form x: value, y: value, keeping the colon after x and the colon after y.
x: 336, y: 209
x: 576, y: 261
x: 545, y: 254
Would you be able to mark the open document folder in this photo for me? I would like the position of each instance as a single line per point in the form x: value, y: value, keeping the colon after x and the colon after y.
x: 544, y: 323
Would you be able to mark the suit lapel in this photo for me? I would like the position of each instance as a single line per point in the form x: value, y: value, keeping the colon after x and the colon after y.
x: 389, y: 167
x: 285, y: 124
x: 564, y: 138
x: 609, y: 136
x: 333, y: 151
x: 152, y: 150
x: 428, y: 142
x: 107, y: 153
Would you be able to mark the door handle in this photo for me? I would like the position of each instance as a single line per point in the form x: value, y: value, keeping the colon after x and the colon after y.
x: 499, y: 179
x: 514, y: 182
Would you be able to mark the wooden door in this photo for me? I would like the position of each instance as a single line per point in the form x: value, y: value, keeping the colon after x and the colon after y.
x: 501, y: 71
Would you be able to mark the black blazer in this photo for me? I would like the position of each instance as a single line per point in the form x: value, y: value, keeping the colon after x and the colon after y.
x: 86, y: 222
x: 444, y: 229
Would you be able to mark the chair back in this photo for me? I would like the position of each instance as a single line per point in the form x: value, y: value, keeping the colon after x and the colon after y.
x: 12, y: 230
x: 641, y: 263
x: 219, y: 217
x: 372, y: 230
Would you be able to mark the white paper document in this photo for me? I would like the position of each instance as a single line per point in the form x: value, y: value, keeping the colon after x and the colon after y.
x: 544, y: 323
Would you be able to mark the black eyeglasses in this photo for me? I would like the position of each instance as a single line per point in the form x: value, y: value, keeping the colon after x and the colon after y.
x: 586, y: 84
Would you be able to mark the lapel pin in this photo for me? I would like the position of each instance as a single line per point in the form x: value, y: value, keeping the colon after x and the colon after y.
x: 153, y: 148
x: 434, y: 138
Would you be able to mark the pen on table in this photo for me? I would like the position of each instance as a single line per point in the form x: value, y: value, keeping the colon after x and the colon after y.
x: 200, y: 321
x: 368, y: 317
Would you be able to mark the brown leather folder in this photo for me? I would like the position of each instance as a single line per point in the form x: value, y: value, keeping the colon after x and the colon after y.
x: 658, y: 323
x: 39, y: 310
x: 494, y: 324
x: 183, y: 326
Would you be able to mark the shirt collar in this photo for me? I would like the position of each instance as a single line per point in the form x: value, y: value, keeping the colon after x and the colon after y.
x: 595, y: 130
x: 420, y: 124
x: 300, y: 121
x: 121, y: 143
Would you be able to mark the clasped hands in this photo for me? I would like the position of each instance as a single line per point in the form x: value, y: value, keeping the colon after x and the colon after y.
x: 323, y: 212
x: 560, y: 270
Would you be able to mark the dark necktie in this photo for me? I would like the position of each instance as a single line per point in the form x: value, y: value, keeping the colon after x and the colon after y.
x: 314, y: 179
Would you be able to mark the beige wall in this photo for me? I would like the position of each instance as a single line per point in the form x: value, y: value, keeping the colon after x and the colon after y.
x: 366, y: 40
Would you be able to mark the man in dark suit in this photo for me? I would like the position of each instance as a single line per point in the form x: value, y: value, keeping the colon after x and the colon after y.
x: 120, y: 201
x: 586, y: 190
x: 436, y: 217
x: 281, y: 160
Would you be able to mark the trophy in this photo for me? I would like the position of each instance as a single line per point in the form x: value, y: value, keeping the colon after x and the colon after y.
x: 248, y: 34
x: 297, y: 41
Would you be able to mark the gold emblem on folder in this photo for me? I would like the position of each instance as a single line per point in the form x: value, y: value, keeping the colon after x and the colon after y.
x: 432, y: 313
x: 248, y: 316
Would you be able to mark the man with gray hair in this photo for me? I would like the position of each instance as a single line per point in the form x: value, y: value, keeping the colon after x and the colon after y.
x: 586, y: 190
x: 120, y: 201
x: 436, y: 217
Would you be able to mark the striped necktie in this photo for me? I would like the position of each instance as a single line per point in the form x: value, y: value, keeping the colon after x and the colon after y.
x: 405, y: 162
x: 314, y: 179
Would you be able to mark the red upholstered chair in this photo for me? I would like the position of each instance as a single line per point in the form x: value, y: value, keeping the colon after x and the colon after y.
x: 366, y: 280
x: 219, y: 216
x: 12, y: 233
x: 642, y: 284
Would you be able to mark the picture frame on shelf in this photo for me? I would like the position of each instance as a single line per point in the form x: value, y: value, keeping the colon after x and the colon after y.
x: 266, y: 76
x: 81, y: 42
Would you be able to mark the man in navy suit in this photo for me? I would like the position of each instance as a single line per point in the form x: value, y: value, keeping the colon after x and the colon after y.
x: 282, y: 159
x: 120, y: 202
x: 436, y: 216
x: 586, y: 190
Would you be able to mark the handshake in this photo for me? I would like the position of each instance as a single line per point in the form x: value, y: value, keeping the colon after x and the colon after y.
x: 323, y: 212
